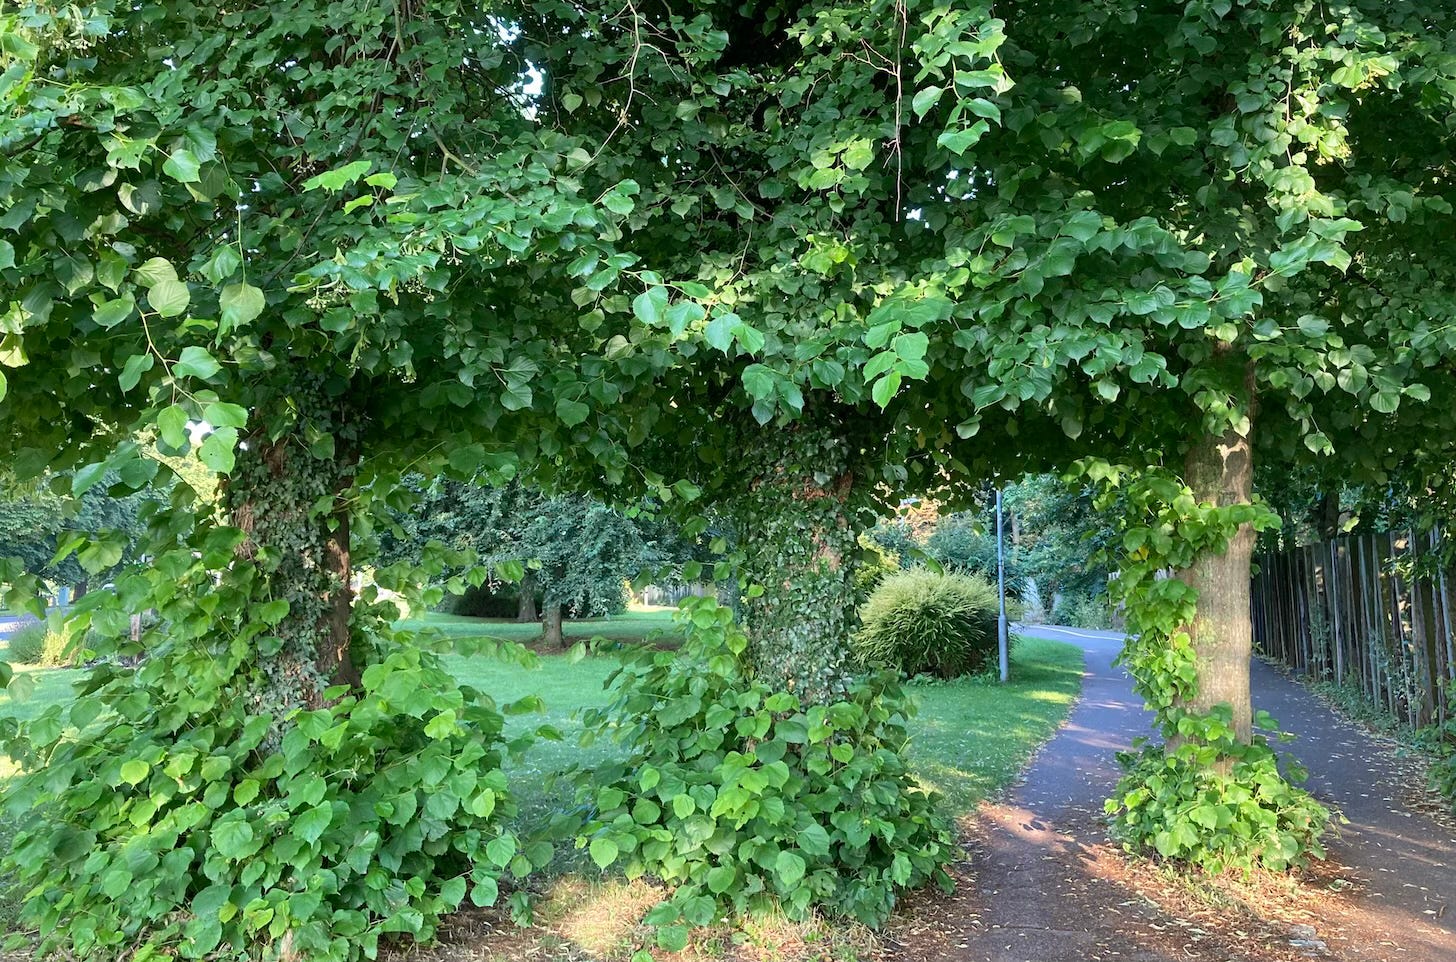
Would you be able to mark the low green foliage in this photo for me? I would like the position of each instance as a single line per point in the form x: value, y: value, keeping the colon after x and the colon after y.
x: 163, y: 814
x: 1443, y: 777
x: 42, y: 643
x: 1183, y: 806
x: 743, y: 799
x: 924, y: 622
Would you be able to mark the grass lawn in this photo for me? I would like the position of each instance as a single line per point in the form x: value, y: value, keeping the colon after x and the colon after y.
x: 635, y: 625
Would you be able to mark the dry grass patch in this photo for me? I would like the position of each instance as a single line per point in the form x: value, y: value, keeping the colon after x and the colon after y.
x: 588, y: 920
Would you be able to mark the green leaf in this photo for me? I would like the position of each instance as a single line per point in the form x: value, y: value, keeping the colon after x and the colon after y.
x: 217, y: 451
x: 719, y: 332
x: 110, y: 313
x: 925, y: 99
x: 172, y: 425
x: 155, y: 270
x: 221, y: 265
x: 311, y: 825
x: 758, y: 381
x: 672, y: 938
x: 959, y: 141
x: 618, y: 203
x: 223, y: 415
x: 196, y: 362
x: 133, y: 772
x: 790, y: 868
x: 603, y: 851
x: 87, y: 478
x: 486, y: 892
x: 982, y: 107
x: 516, y: 397
x: 572, y: 412
x: 240, y: 304
x: 338, y: 179
x: 169, y: 298
x: 721, y: 879
x: 182, y: 166
x: 650, y: 307
x: 502, y: 849
x: 133, y: 369
x: 1385, y: 401
x: 884, y: 390
x: 232, y: 838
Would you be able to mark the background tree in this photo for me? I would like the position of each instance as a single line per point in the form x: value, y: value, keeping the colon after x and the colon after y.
x: 36, y: 518
x: 578, y: 553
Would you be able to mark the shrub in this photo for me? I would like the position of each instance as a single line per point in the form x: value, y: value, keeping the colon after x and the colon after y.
x: 1186, y: 809
x: 44, y: 644
x: 27, y: 644
x: 745, y: 800
x: 921, y: 622
x: 1082, y: 611
x: 876, y: 563
x: 165, y: 815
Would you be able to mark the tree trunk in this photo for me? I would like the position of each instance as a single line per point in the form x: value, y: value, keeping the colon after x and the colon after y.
x: 303, y: 554
x: 1329, y: 515
x: 552, y: 635
x: 526, y: 608
x: 798, y: 527
x: 1220, y: 471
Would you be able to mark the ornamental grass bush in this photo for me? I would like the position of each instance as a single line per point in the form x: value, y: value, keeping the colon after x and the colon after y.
x: 41, y: 644
x: 926, y: 623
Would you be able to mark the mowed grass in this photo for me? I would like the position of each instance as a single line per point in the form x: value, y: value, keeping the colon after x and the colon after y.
x: 634, y: 625
x: 974, y: 735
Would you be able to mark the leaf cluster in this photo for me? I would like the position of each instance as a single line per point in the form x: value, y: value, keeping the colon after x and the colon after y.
x: 743, y: 798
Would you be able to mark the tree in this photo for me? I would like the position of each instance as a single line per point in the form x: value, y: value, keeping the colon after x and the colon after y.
x: 577, y: 552
x: 1204, y: 230
x: 319, y: 246
x: 329, y: 244
x: 1166, y: 234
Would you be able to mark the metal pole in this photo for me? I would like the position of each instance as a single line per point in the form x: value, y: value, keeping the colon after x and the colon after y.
x: 1001, y: 634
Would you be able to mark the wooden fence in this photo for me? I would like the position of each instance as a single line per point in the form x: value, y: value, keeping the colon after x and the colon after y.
x: 1371, y: 611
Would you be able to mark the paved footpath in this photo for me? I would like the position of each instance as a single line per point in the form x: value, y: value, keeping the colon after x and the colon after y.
x: 1038, y: 862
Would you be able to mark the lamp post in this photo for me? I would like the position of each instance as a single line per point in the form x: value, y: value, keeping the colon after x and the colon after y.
x: 1001, y: 633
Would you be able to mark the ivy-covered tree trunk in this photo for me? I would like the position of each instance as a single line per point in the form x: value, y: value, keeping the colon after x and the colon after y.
x: 552, y: 633
x: 1220, y: 471
x: 798, y: 527
x: 290, y: 503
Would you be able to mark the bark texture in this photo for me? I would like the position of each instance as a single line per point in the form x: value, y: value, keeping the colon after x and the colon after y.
x: 552, y: 633
x: 526, y: 606
x: 1220, y: 470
